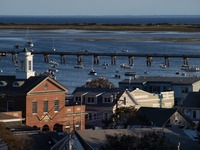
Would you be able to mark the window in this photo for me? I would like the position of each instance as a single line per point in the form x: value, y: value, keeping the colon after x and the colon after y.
x: 10, y: 106
x: 124, y: 100
x: 90, y: 100
x: 107, y: 100
x: 29, y: 65
x: 45, y: 106
x: 56, y: 105
x: 90, y: 116
x: 167, y: 88
x: 3, y: 83
x: 154, y: 89
x: 184, y: 89
x: 194, y: 114
x: 86, y: 117
x: 17, y: 83
x: 67, y: 127
x: 22, y: 65
x: 45, y: 85
x: 34, y: 107
x: 105, y: 116
x: 95, y: 116
x: 77, y: 99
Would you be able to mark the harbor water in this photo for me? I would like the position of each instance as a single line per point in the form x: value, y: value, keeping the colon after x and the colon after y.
x: 151, y: 42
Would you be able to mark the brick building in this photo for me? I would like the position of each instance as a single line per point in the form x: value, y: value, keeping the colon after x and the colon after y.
x: 40, y: 98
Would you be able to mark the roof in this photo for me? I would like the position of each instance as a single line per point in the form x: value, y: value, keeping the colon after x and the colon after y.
x: 171, y: 80
x: 159, y: 116
x: 4, y: 116
x: 13, y: 85
x: 97, y: 92
x: 89, y: 141
x: 192, y: 100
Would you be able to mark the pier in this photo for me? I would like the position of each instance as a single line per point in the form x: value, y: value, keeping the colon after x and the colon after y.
x: 113, y: 55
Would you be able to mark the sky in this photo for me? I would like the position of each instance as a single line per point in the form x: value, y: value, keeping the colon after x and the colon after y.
x: 99, y: 7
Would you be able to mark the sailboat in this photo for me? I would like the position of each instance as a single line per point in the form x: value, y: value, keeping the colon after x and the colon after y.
x: 28, y: 42
x: 92, y: 71
x: 53, y: 46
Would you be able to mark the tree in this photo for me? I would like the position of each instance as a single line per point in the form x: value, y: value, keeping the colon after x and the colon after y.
x: 99, y: 83
x: 150, y: 141
x: 124, y: 116
x: 12, y: 141
x: 198, y: 131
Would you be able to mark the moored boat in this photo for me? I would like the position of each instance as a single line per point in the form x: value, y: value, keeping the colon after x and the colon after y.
x: 54, y: 62
x: 80, y: 66
x: 163, y: 66
x: 190, y: 69
x: 125, y: 66
x: 131, y: 73
x: 117, y: 76
x: 92, y: 72
x: 125, y: 50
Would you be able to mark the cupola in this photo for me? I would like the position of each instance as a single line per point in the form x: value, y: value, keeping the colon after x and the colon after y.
x: 25, y: 65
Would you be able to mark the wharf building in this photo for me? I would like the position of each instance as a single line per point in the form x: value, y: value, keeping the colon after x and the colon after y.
x: 37, y: 101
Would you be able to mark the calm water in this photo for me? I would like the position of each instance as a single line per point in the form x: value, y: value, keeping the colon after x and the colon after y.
x: 180, y: 19
x: 100, y: 41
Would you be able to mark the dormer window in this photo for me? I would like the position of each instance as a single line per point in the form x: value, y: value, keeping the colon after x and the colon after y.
x: 77, y: 99
x: 90, y: 100
x: 108, y: 99
x: 3, y: 83
x: 18, y: 83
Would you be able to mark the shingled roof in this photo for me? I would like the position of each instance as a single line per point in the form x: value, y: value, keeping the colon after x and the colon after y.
x: 172, y: 80
x: 158, y: 116
x: 192, y: 100
x: 98, y: 92
x: 9, y: 84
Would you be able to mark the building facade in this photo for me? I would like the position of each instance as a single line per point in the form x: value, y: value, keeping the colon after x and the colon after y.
x: 41, y: 99
x: 180, y: 85
x: 191, y: 106
x: 101, y: 103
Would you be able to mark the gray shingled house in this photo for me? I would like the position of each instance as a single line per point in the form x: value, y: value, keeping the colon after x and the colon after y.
x: 191, y: 106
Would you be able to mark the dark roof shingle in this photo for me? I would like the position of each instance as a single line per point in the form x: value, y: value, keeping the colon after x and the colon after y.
x: 172, y: 80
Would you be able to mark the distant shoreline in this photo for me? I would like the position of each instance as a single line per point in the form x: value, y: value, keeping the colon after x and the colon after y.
x: 111, y: 27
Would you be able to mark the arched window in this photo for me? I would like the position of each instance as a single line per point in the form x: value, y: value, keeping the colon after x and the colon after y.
x: 45, y: 128
x: 35, y: 128
x: 3, y: 83
x: 58, y: 127
x: 18, y: 83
